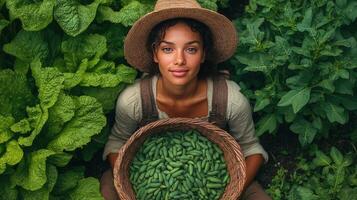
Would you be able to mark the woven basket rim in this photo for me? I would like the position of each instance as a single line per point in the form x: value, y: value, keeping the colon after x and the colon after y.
x: 231, y: 150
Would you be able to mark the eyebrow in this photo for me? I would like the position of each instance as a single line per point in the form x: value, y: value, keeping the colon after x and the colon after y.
x: 191, y: 42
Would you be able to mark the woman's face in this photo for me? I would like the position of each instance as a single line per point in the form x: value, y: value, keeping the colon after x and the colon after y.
x: 179, y: 54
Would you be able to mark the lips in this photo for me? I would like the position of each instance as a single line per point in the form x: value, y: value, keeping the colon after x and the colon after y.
x: 178, y: 72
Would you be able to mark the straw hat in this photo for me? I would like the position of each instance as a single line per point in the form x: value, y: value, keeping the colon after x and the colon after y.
x: 224, y: 34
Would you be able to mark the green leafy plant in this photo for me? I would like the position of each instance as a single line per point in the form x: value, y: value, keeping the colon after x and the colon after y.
x: 298, y: 58
x: 61, y: 70
x: 326, y: 176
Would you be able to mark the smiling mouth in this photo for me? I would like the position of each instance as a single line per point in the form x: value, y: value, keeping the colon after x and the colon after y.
x: 179, y: 73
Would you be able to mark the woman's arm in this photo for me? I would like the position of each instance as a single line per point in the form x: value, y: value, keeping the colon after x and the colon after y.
x: 112, y: 157
x: 253, y: 164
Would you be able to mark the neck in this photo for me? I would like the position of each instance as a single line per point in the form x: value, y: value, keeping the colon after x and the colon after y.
x: 177, y: 92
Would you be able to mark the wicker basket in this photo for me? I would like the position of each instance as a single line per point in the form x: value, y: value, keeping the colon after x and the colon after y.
x: 231, y: 150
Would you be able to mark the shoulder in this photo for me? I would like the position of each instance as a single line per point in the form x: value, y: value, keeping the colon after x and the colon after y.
x: 235, y: 96
x: 129, y: 100
x: 130, y: 93
x: 237, y: 103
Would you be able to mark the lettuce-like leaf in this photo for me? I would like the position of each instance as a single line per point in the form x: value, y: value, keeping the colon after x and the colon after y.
x: 96, y: 144
x: 31, y: 172
x: 126, y: 16
x: 28, y: 46
x: 88, y: 121
x: 73, y: 79
x: 68, y: 180
x: 60, y: 113
x: 34, y: 15
x: 37, y: 119
x: 12, y: 156
x: 88, y: 188
x: 106, y: 96
x: 60, y: 159
x: 15, y: 94
x: 23, y: 126
x: 44, y: 192
x: 6, y: 190
x: 123, y: 74
x: 115, y: 35
x: 84, y: 46
x: 3, y: 24
x: 5, y: 132
x: 73, y: 17
x: 49, y: 82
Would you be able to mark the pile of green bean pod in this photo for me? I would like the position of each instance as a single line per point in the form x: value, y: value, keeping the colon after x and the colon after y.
x: 178, y: 165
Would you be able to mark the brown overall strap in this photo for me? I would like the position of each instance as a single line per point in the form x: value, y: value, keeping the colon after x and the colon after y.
x: 148, y: 105
x: 217, y: 115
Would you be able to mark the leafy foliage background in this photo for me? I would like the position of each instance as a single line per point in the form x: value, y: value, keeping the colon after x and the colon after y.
x: 62, y: 67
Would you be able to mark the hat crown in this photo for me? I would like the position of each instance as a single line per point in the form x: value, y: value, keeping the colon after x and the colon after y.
x: 167, y: 4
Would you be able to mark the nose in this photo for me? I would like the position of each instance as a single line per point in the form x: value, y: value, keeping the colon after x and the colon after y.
x: 180, y: 58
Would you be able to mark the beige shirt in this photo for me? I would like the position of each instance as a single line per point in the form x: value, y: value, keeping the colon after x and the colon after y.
x: 239, y: 118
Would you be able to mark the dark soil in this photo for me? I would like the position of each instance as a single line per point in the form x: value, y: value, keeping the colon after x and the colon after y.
x: 282, y: 148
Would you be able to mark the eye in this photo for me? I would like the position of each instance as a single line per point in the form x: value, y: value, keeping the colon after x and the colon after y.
x: 191, y: 50
x: 166, y: 49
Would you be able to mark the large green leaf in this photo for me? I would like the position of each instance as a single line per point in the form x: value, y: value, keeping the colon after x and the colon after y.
x: 348, y: 193
x: 7, y: 192
x: 87, y: 188
x: 78, y: 48
x: 115, y: 35
x: 106, y: 96
x: 267, y: 123
x: 349, y: 11
x: 336, y: 156
x: 60, y: 159
x: 59, y: 114
x: 68, y: 180
x: 15, y: 94
x: 349, y: 102
x: 73, y: 17
x: 87, y: 121
x: 253, y: 36
x: 256, y: 62
x: 344, y: 86
x: 305, y: 24
x: 49, y: 82
x: 44, y: 192
x: 31, y: 172
x: 305, y: 130
x: 335, y: 113
x: 122, y: 74
x: 28, y: 46
x: 34, y: 15
x: 37, y: 119
x: 12, y: 156
x: 302, y: 193
x: 22, y: 127
x: 5, y: 132
x: 261, y: 104
x: 297, y: 98
x: 126, y: 16
x: 3, y: 24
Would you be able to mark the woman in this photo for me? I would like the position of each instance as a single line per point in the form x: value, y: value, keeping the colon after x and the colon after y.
x: 179, y: 44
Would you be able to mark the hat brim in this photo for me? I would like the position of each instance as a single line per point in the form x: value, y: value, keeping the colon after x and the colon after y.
x: 224, y: 35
